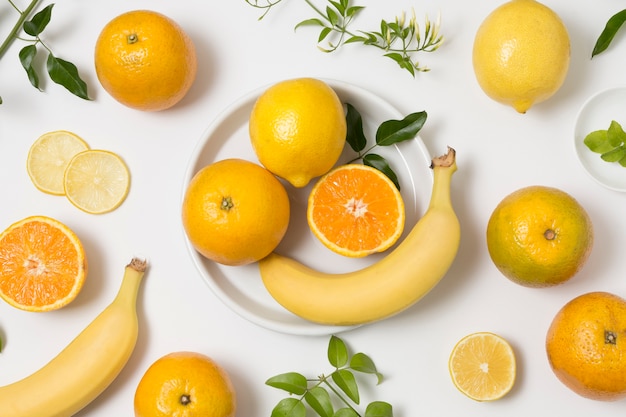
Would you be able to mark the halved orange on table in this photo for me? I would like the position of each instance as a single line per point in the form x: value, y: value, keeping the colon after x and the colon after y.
x: 42, y: 264
x: 356, y: 210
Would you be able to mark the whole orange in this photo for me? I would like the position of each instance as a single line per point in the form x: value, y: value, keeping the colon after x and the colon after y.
x: 539, y: 236
x: 185, y: 384
x: 586, y: 346
x: 235, y: 212
x: 145, y: 60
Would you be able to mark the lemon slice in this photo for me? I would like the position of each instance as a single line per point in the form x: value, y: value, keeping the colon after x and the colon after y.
x: 482, y: 366
x: 48, y: 157
x: 96, y: 181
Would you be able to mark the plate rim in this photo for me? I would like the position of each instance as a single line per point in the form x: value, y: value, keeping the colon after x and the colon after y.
x: 309, y: 328
x: 579, y: 137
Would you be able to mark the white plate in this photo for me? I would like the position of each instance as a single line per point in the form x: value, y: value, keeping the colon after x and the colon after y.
x: 597, y: 114
x: 240, y: 287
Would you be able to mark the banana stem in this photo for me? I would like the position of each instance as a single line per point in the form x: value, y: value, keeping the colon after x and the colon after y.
x: 133, y: 273
x: 443, y: 167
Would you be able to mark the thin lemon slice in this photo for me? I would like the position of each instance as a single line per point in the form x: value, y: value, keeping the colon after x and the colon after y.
x: 96, y: 181
x: 482, y: 366
x: 48, y: 157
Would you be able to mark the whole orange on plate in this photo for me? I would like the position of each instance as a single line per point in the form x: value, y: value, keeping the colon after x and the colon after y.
x: 356, y: 210
x: 298, y: 129
x: 42, y: 264
x: 235, y: 211
x: 185, y: 384
x: 145, y: 60
x: 539, y: 236
x: 586, y: 346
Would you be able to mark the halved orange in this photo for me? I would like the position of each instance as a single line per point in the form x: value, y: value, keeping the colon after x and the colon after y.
x: 482, y: 366
x: 356, y: 210
x: 42, y: 264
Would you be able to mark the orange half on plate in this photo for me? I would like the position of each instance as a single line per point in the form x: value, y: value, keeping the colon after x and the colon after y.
x: 356, y: 210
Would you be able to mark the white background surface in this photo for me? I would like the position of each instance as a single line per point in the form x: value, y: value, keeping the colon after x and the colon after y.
x: 499, y: 151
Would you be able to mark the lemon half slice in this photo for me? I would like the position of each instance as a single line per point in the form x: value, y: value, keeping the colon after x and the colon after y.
x: 96, y: 181
x: 482, y: 366
x: 48, y: 157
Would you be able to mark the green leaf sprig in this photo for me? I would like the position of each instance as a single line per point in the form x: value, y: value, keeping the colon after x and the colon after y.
x: 388, y: 133
x: 608, y: 33
x: 400, y: 39
x: 62, y: 72
x: 341, y: 384
x: 609, y: 143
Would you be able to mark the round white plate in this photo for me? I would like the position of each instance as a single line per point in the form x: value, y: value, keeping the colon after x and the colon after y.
x: 596, y: 114
x: 240, y: 287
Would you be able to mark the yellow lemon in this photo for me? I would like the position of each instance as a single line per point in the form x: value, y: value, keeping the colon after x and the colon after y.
x: 298, y: 129
x: 521, y: 54
x: 482, y: 366
x: 539, y: 236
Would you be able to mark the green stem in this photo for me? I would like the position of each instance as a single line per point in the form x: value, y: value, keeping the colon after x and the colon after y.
x: 18, y: 25
x: 338, y: 394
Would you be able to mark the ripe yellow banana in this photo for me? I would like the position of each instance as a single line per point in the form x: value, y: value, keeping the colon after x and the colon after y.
x: 385, y: 288
x: 79, y: 373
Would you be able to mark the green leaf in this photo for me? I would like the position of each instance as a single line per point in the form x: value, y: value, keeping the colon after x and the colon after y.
x: 347, y: 382
x: 323, y: 34
x: 27, y: 56
x: 614, y: 155
x: 338, y: 6
x: 65, y: 73
x: 615, y: 134
x: 337, y: 352
x: 394, y: 131
x: 355, y: 135
x: 310, y: 22
x: 381, y: 164
x: 353, y: 39
x: 353, y: 10
x: 319, y: 400
x: 379, y: 409
x: 289, y: 407
x: 332, y: 16
x: 346, y: 412
x: 292, y: 382
x: 612, y: 26
x: 39, y: 21
x: 622, y: 161
x: 362, y: 363
x: 597, y: 141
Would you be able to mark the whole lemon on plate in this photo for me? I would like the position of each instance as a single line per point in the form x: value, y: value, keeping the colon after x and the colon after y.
x: 521, y: 54
x: 235, y: 212
x: 298, y: 129
x: 185, y: 384
x: 586, y: 346
x: 145, y: 60
x: 539, y: 236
